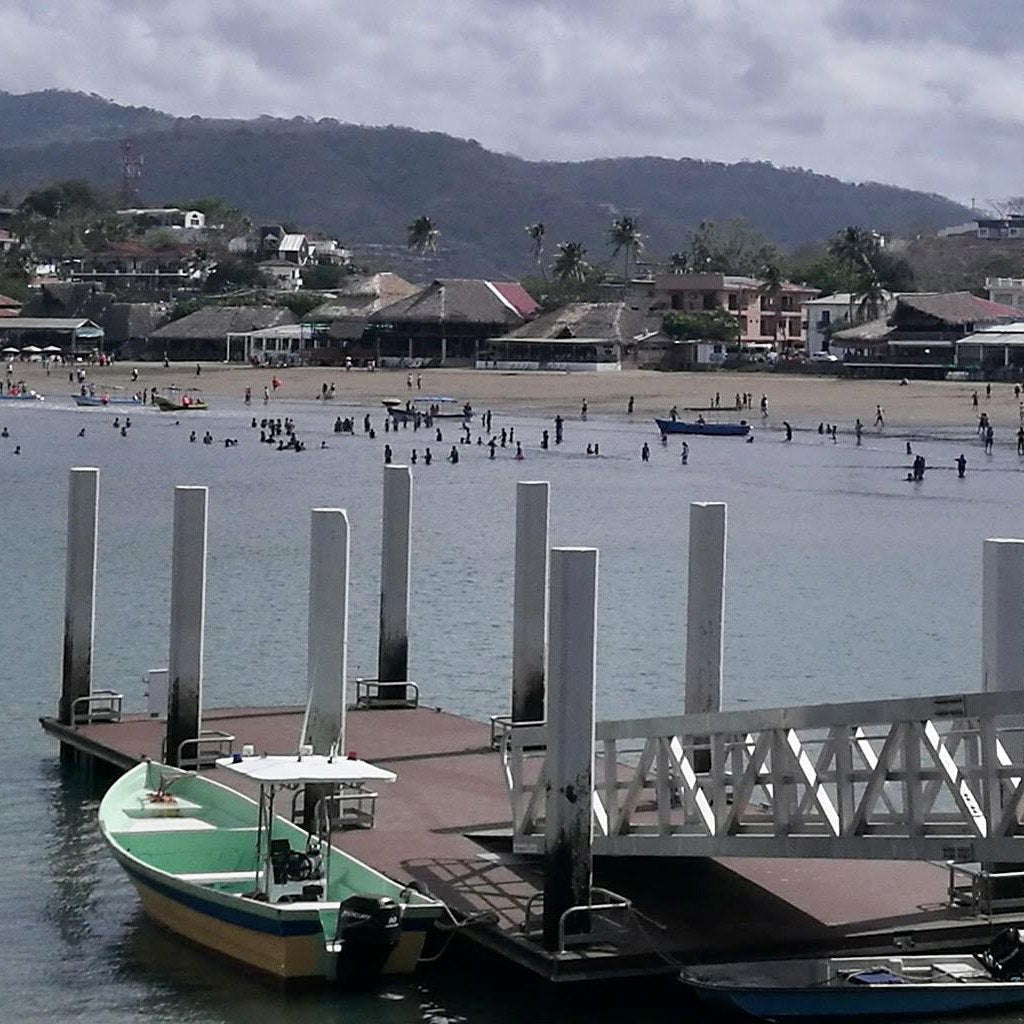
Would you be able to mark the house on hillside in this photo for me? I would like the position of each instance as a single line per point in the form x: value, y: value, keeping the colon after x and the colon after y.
x: 9, y: 307
x: 1007, y: 291
x: 919, y: 336
x: 765, y: 320
x: 579, y: 336
x: 8, y: 241
x: 132, y: 266
x: 993, y: 351
x: 203, y: 334
x: 1010, y: 226
x: 294, y: 248
x: 281, y: 275
x: 337, y: 324
x: 164, y: 217
x: 824, y: 316
x: 445, y: 323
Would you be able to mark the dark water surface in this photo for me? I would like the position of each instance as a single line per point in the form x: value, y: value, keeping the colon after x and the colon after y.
x: 844, y: 582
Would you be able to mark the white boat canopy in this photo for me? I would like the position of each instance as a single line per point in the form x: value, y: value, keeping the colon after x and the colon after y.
x: 287, y: 769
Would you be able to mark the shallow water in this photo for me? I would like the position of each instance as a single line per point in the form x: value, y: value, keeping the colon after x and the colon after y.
x: 843, y: 582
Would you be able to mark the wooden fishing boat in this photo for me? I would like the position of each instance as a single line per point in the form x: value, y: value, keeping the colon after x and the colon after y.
x: 740, y: 429
x: 89, y: 401
x: 924, y: 986
x: 179, y: 400
x: 225, y: 872
x: 21, y: 395
x: 435, y: 407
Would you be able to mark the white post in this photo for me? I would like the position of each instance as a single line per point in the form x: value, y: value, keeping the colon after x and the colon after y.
x: 324, y: 724
x: 396, y: 540
x: 1002, y: 653
x: 79, y: 589
x: 1002, y: 615
x: 572, y: 670
x: 530, y: 602
x: 188, y: 614
x: 705, y: 608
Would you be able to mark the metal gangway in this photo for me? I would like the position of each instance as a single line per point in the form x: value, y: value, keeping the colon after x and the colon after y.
x: 932, y: 778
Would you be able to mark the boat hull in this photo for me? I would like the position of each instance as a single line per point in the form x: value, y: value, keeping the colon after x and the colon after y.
x: 703, y: 429
x: 167, y: 405
x: 89, y: 401
x: 31, y: 396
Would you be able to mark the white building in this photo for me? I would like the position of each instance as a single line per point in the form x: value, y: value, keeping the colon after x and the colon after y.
x: 1008, y: 291
x: 832, y: 313
x: 165, y: 216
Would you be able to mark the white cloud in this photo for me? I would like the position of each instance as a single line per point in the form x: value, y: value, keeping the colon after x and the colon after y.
x: 925, y: 93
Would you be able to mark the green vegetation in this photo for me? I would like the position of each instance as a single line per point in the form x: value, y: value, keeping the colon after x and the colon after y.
x: 624, y: 236
x: 570, y: 263
x: 536, y: 233
x: 235, y: 272
x: 716, y: 325
x: 422, y: 235
x: 733, y: 247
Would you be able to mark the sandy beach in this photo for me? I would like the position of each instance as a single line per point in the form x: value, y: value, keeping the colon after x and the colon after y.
x: 802, y: 400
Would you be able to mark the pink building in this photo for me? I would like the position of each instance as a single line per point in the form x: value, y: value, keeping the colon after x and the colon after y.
x: 763, y: 320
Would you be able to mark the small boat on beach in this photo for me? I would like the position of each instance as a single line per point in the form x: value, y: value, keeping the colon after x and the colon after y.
x: 174, y: 399
x: 225, y: 872
x: 881, y: 987
x: 21, y: 395
x: 435, y: 407
x: 699, y: 426
x: 106, y: 398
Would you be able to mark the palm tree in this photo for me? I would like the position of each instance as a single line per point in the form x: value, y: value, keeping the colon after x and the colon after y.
x: 536, y: 233
x: 570, y: 262
x: 422, y: 235
x: 624, y: 236
x: 853, y: 248
x: 770, y: 291
x: 871, y: 296
x: 679, y: 262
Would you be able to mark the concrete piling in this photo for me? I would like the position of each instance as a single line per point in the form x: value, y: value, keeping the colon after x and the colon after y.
x: 396, y: 541
x: 324, y: 724
x: 568, y: 858
x: 530, y: 602
x: 705, y: 608
x: 188, y: 615
x: 79, y: 589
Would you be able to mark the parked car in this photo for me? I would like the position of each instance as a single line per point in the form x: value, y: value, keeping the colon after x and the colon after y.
x: 823, y: 357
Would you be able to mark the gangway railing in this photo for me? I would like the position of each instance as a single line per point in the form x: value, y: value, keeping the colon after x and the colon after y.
x: 929, y: 778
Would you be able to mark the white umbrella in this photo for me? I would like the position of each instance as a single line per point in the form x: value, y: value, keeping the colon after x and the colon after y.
x: 53, y: 348
x: 32, y: 349
x: 11, y: 351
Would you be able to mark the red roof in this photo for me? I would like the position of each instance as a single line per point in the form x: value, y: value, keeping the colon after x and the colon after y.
x: 514, y: 293
x: 6, y: 302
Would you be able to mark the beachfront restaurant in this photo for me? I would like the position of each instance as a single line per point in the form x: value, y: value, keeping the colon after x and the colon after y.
x: 994, y: 349
x: 67, y: 336
x: 562, y: 354
x: 270, y: 346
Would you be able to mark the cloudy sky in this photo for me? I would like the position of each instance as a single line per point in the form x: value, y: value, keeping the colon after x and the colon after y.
x: 923, y: 93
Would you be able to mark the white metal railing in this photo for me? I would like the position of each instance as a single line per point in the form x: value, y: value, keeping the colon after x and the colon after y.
x: 370, y: 694
x: 606, y: 914
x: 98, y: 706
x: 929, y: 778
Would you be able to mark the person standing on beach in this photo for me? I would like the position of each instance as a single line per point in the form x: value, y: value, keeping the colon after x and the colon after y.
x: 764, y: 404
x: 989, y: 439
x: 879, y: 417
x: 266, y: 394
x: 1020, y: 440
x: 974, y: 400
x: 629, y: 406
x: 387, y: 455
x: 684, y: 454
x: 583, y: 410
x: 199, y: 370
x: 453, y: 456
x: 558, y: 428
x: 988, y: 391
x: 645, y: 453
x: 789, y: 431
x: 544, y: 440
x: 858, y: 429
x: 673, y: 414
x: 961, y: 466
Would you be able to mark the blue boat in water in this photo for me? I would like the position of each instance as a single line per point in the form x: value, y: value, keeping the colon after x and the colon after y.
x: 740, y: 429
x: 924, y: 986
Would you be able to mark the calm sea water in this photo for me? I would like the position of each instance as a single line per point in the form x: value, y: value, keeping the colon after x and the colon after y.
x: 844, y: 582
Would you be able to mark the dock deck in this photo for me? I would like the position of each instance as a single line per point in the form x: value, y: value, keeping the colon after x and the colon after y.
x: 445, y: 822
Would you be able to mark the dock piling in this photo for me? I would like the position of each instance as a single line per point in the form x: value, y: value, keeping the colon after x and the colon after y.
x: 396, y: 541
x: 327, y: 652
x: 530, y: 601
x: 188, y: 614
x: 80, y: 589
x: 572, y: 668
x: 705, y: 608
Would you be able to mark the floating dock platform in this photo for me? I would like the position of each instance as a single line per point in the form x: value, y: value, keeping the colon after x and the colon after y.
x: 446, y: 823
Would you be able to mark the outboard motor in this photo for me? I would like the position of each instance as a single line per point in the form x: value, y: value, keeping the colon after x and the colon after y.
x: 369, y: 928
x: 1004, y: 957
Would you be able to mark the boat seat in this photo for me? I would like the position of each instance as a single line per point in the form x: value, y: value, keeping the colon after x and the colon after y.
x: 209, y: 877
x: 166, y: 825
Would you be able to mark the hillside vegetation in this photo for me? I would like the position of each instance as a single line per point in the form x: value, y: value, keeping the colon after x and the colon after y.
x: 366, y: 184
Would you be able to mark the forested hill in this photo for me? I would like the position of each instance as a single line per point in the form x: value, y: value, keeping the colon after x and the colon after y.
x: 366, y: 184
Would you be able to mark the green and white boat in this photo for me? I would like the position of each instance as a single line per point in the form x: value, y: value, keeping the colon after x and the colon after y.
x: 225, y: 872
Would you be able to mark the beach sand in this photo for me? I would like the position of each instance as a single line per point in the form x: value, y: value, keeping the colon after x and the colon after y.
x: 802, y: 400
